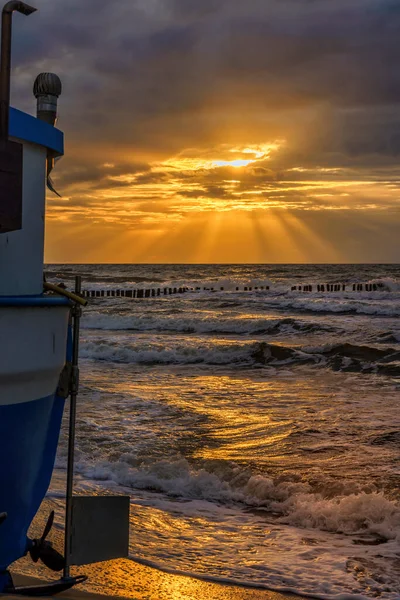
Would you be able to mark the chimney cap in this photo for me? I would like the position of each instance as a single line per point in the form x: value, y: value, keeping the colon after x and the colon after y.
x: 47, y: 84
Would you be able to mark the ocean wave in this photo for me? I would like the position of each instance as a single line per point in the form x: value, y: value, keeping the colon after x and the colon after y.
x: 213, y: 352
x: 183, y: 277
x: 389, y: 284
x: 215, y: 323
x: 388, y: 337
x: 167, y: 352
x: 339, y: 357
x: 385, y: 306
x: 380, y: 304
x: 356, y: 351
x: 355, y: 510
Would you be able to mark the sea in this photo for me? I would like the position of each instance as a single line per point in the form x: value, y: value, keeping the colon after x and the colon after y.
x: 257, y: 432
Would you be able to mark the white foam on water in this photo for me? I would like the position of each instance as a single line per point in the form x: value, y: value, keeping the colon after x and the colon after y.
x: 158, y: 352
x: 384, y: 304
x: 193, y: 350
x: 202, y: 322
x: 239, y: 312
x: 244, y: 466
x: 293, y: 502
x: 191, y: 523
x: 390, y: 284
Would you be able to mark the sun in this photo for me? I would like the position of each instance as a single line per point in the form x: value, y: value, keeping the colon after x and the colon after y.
x: 221, y: 156
x: 232, y: 163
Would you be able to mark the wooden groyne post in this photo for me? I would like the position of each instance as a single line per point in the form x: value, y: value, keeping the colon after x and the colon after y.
x: 141, y: 293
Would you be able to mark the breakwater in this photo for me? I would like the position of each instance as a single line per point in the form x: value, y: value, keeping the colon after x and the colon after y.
x: 140, y: 293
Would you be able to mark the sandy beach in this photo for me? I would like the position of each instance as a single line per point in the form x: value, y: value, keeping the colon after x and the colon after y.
x: 128, y: 579
x: 149, y: 584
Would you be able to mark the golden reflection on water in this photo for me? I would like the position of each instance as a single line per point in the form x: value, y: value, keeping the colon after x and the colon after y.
x: 243, y: 417
x: 235, y: 430
x: 127, y: 579
x: 225, y: 401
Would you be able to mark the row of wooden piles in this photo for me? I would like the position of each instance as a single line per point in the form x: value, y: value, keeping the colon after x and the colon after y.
x: 338, y: 287
x: 238, y: 289
x: 168, y: 291
x: 153, y: 292
x: 134, y: 293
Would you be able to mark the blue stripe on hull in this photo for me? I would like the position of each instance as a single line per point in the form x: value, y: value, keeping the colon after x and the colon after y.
x: 29, y: 435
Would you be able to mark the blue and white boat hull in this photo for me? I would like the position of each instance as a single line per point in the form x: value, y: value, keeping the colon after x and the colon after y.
x: 32, y: 357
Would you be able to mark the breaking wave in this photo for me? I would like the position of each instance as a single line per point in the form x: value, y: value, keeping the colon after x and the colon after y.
x: 173, y: 323
x: 343, y: 357
x: 389, y: 306
x: 355, y: 510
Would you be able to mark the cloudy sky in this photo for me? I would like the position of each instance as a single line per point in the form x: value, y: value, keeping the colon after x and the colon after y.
x: 220, y: 130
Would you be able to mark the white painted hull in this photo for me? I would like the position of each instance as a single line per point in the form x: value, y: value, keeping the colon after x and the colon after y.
x: 32, y: 356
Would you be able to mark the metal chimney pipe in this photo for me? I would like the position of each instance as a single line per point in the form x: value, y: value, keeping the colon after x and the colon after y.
x: 47, y: 88
x: 5, y: 68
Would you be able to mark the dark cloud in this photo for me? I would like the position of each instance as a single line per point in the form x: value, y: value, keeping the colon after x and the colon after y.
x: 128, y: 63
x: 145, y: 81
x: 151, y: 178
x: 83, y: 171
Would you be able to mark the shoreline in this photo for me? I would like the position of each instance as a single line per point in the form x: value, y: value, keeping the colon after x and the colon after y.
x: 152, y: 584
x: 126, y: 579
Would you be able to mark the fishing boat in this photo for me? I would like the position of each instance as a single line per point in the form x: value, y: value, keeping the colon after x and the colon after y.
x: 38, y: 350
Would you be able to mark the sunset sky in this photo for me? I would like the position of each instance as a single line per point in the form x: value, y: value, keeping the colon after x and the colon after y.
x: 220, y: 130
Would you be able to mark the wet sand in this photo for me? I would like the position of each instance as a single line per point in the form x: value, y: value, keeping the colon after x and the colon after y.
x: 129, y: 580
x: 151, y: 584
